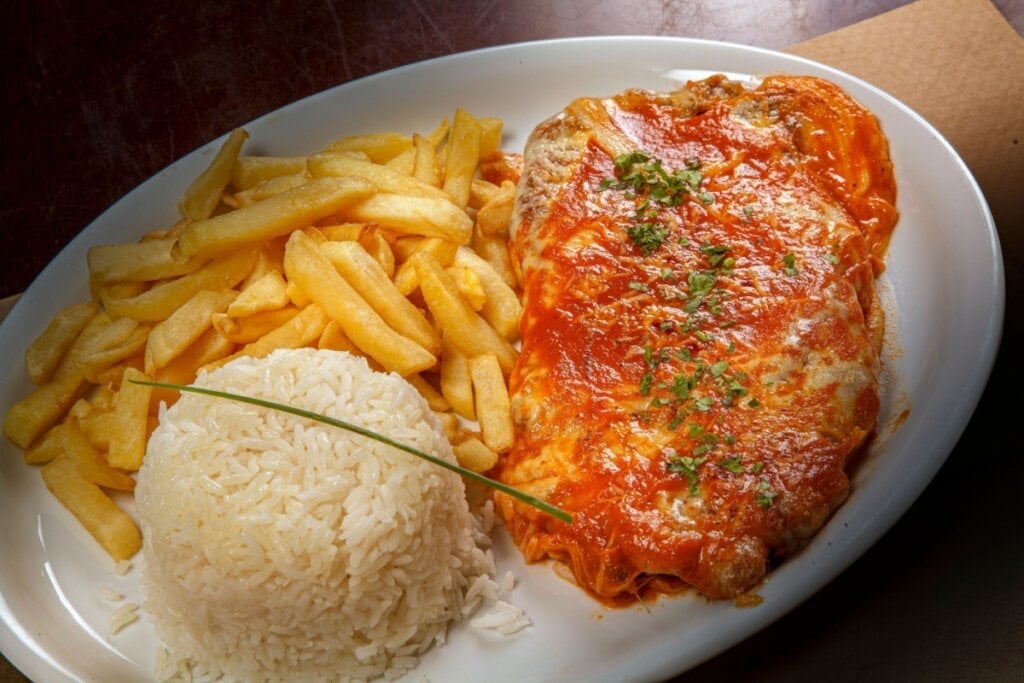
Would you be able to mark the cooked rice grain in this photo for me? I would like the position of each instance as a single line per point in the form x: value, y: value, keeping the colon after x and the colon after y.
x: 277, y: 548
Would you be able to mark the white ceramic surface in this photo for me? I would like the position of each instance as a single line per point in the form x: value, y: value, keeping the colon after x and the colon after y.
x: 943, y: 288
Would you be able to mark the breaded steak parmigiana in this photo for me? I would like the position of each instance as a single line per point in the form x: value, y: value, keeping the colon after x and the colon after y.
x: 701, y: 331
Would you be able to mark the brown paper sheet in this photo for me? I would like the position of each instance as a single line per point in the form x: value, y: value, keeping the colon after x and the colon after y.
x: 960, y: 65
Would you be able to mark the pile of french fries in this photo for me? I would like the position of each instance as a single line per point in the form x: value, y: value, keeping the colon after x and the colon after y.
x: 389, y: 246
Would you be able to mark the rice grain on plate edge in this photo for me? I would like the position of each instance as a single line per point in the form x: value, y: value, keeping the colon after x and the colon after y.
x: 276, y: 548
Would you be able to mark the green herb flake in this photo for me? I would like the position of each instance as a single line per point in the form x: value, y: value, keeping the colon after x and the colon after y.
x: 647, y: 236
x: 645, y: 383
x: 754, y: 403
x: 686, y: 466
x: 638, y: 286
x: 704, y: 403
x: 731, y: 465
x: 789, y: 264
x: 765, y: 496
x: 719, y: 368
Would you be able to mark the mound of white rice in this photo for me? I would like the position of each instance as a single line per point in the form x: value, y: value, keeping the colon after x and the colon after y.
x: 277, y: 548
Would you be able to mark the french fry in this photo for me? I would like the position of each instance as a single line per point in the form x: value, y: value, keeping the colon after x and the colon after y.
x: 266, y: 294
x: 170, y: 337
x: 44, y: 355
x: 273, y: 217
x: 377, y: 246
x: 312, y: 271
x: 84, y: 342
x: 250, y: 171
x: 490, y: 134
x: 450, y: 424
x: 298, y: 297
x: 435, y: 400
x: 345, y: 232
x: 269, y: 258
x: 270, y: 187
x: 427, y: 216
x: 161, y: 301
x: 403, y: 163
x: 111, y: 347
x: 494, y: 216
x: 27, y: 419
x: 441, y: 250
x: 468, y: 332
x: 97, y: 427
x: 116, y: 291
x: 481, y: 192
x: 456, y: 381
x: 109, y: 525
x: 468, y: 284
x: 102, y: 399
x: 100, y: 346
x: 426, y: 167
x: 494, y: 250
x: 386, y: 179
x: 378, y: 147
x: 367, y: 278
x: 493, y: 409
x: 462, y: 152
x: 333, y: 339
x: 89, y: 461
x: 302, y: 330
x: 252, y: 327
x: 501, y: 308
x: 128, y: 438
x: 474, y: 455
x: 209, y: 348
x: 46, y: 447
x: 203, y: 195
x: 139, y: 262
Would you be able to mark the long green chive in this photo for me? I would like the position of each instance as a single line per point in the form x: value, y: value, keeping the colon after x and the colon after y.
x: 284, y: 408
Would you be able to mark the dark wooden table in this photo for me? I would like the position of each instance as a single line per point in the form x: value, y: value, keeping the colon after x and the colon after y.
x: 101, y: 94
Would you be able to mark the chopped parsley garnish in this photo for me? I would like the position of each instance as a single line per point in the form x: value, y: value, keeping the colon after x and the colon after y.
x: 652, y: 186
x: 704, y: 403
x: 832, y: 258
x: 789, y: 264
x: 731, y: 465
x: 639, y: 286
x: 686, y: 466
x: 765, y: 496
x: 647, y: 236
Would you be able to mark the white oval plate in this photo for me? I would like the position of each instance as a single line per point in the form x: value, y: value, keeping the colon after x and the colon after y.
x: 55, y: 623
